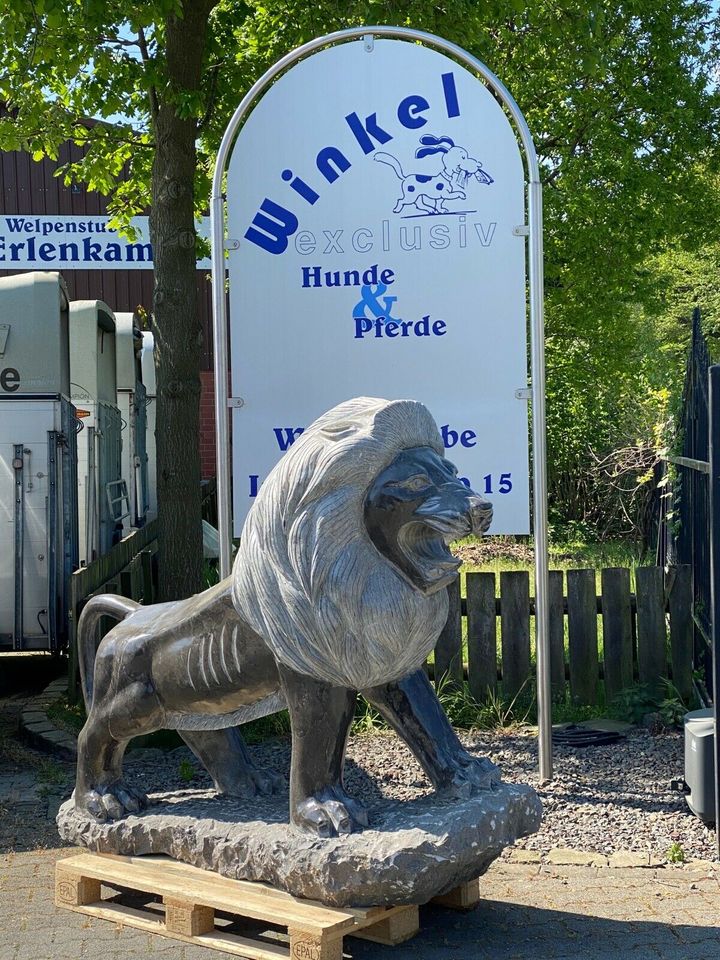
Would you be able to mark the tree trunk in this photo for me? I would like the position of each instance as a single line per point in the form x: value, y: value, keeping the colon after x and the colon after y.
x: 176, y: 320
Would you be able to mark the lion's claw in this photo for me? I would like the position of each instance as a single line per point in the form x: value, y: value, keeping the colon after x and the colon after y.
x: 328, y: 816
x: 250, y: 782
x: 111, y: 801
x: 472, y: 774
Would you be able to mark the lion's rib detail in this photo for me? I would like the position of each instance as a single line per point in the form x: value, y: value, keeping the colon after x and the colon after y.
x: 201, y: 665
x: 189, y: 670
x: 221, y: 646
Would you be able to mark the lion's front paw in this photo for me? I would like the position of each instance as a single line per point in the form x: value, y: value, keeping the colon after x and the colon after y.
x: 111, y: 801
x: 330, y: 813
x: 472, y: 774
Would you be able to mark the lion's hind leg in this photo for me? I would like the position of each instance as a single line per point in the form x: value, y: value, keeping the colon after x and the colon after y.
x: 100, y: 788
x: 225, y: 756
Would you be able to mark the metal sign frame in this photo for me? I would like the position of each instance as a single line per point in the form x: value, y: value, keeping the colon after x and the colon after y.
x: 714, y: 471
x: 533, y: 228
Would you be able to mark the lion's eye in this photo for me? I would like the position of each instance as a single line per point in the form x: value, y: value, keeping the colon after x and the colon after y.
x: 418, y: 482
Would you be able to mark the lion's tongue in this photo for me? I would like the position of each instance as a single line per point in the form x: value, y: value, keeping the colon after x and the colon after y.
x: 434, y: 551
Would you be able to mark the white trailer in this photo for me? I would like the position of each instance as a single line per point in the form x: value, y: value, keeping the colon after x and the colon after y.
x: 102, y: 492
x: 132, y: 403
x: 38, y: 479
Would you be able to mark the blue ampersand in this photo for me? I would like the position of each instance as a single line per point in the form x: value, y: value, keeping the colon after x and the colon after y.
x: 370, y: 298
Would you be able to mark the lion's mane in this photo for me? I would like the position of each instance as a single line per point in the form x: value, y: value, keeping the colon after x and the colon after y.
x: 308, y: 578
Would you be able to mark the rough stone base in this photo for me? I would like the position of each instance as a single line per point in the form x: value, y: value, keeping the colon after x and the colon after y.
x: 413, y: 851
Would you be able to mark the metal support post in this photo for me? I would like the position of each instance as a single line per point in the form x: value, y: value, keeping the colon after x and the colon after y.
x: 18, y: 468
x: 51, y: 556
x: 714, y: 404
x: 537, y: 341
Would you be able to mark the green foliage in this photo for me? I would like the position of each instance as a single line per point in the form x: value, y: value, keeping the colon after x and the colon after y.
x: 632, y: 704
x: 622, y: 101
x: 67, y: 715
x: 367, y: 719
x: 565, y: 710
x: 50, y: 772
x: 671, y: 706
x: 496, y: 712
x: 675, y: 853
x: 636, y: 702
x: 186, y: 771
x: 267, y: 728
x: 211, y: 574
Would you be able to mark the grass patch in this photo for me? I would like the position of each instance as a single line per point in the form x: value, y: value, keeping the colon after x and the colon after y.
x: 67, y: 716
x: 49, y: 772
x: 267, y: 728
x: 498, y: 554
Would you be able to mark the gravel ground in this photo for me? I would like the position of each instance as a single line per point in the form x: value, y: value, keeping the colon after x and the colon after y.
x: 603, y: 799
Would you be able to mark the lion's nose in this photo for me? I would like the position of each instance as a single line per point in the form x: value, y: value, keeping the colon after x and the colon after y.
x: 481, y: 512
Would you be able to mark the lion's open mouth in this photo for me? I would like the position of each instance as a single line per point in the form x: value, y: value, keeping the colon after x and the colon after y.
x: 424, y: 544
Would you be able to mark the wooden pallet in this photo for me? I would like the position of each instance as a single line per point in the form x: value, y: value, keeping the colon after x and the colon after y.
x: 196, y: 906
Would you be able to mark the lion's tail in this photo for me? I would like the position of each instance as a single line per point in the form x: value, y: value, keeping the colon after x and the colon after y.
x: 105, y: 605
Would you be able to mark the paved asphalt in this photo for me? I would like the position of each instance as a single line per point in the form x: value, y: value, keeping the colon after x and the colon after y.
x: 528, y: 911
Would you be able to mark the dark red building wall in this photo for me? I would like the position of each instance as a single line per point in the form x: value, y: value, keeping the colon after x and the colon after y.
x: 29, y: 187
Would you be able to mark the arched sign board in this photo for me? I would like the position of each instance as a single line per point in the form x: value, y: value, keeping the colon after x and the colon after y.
x: 375, y: 193
x: 376, y: 226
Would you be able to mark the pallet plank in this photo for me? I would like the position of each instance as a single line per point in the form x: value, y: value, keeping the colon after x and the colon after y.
x: 651, y: 628
x: 186, y: 872
x: 582, y: 636
x: 226, y: 942
x: 188, y: 918
x: 448, y: 650
x: 305, y: 946
x: 72, y: 889
x: 464, y: 897
x: 481, y: 634
x: 210, y: 889
x: 393, y: 929
x: 617, y: 631
x: 192, y: 897
x: 515, y: 629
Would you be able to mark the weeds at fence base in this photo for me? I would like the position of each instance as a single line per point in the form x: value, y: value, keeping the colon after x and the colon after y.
x: 636, y: 703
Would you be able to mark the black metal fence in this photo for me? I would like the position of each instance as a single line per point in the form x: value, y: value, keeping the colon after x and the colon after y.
x: 694, y: 531
x: 691, y: 500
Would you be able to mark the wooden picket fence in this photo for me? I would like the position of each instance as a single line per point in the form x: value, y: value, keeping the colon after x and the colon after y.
x: 129, y: 568
x: 645, y: 636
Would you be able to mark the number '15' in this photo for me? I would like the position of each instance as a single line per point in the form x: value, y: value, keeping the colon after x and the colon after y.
x: 504, y: 484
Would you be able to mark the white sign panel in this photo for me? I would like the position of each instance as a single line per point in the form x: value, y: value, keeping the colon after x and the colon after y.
x: 54, y: 242
x: 374, y: 197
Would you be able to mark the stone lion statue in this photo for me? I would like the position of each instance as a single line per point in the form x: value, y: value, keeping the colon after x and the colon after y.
x: 338, y: 587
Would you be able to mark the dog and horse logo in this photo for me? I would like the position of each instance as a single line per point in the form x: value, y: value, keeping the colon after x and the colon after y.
x: 428, y: 192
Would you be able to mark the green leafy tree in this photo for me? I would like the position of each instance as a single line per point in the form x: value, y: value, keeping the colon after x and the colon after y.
x: 622, y: 103
x: 620, y: 99
x: 141, y: 66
